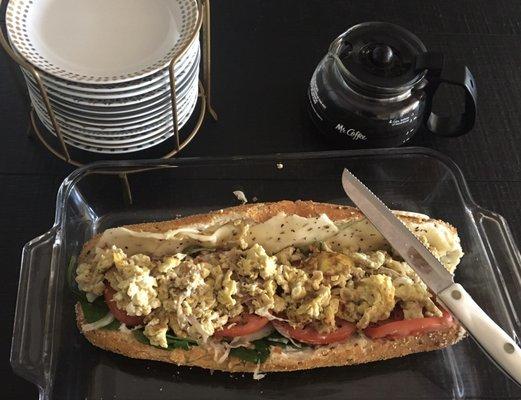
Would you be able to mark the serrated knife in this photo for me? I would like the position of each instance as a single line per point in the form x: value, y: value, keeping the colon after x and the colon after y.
x: 499, y: 346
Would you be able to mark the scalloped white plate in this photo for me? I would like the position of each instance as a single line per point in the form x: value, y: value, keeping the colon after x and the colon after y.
x: 119, y: 143
x: 115, y: 113
x: 119, y: 131
x: 100, y: 41
x: 81, y: 103
x: 117, y: 120
x: 131, y: 88
x: 161, y: 136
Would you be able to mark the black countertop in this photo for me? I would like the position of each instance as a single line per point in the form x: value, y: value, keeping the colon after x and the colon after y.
x: 264, y: 52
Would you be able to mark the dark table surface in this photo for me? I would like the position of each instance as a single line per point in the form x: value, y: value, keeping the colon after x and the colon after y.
x: 264, y: 52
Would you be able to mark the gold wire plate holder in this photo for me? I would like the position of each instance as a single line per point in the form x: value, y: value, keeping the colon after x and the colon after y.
x: 62, y: 152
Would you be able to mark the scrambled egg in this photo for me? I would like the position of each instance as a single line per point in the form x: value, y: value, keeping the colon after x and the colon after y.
x: 197, y: 295
x: 130, y: 276
x: 369, y: 300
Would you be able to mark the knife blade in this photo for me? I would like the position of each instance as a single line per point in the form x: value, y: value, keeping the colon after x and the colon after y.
x: 496, y: 343
x: 428, y: 268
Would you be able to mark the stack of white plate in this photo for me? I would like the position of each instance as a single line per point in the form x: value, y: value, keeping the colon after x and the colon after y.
x: 104, y: 64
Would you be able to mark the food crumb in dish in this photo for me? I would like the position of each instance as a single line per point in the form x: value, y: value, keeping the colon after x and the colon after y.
x: 240, y: 196
x: 256, y: 374
x: 280, y: 165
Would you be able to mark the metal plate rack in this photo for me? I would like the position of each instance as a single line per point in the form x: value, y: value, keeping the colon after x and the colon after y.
x: 61, y: 150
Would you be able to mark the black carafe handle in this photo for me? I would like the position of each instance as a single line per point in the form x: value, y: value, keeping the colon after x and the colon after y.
x: 440, y: 70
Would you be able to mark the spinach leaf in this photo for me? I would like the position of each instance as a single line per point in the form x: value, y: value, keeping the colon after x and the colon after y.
x: 140, y: 336
x: 174, y: 342
x: 93, y: 311
x: 97, y: 310
x: 258, y: 354
x: 113, y: 326
x: 180, y: 343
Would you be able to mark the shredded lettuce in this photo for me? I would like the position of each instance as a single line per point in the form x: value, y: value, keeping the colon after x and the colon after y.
x: 261, y: 348
x: 276, y: 339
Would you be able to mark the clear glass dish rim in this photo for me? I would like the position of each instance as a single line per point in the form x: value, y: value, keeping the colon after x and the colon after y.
x: 118, y: 167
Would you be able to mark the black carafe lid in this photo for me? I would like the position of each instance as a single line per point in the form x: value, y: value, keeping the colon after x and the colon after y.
x: 379, y: 58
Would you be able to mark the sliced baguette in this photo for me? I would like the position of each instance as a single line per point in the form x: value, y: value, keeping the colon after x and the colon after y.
x: 357, y: 350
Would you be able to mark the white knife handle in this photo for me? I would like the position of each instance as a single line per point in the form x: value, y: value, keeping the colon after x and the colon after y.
x: 494, y: 340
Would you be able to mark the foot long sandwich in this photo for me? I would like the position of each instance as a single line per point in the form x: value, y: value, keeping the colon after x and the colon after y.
x: 265, y: 287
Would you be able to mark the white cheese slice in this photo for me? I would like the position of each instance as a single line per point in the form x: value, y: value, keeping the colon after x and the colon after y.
x: 358, y: 236
x: 411, y: 214
x: 283, y: 230
x: 440, y: 237
x: 274, y: 235
x: 160, y: 244
x: 362, y: 236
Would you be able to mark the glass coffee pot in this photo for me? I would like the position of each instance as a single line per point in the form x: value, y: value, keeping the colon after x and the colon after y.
x: 375, y: 88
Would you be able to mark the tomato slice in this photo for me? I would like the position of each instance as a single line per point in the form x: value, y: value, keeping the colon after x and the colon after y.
x: 393, y: 329
x: 244, y: 324
x: 120, y: 315
x: 311, y: 336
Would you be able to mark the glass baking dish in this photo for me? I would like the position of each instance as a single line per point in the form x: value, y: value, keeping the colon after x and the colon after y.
x: 49, y: 351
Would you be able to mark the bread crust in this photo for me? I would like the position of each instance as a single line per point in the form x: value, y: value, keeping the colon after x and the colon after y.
x: 357, y: 350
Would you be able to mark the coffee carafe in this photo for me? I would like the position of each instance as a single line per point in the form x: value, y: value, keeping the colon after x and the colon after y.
x: 375, y: 87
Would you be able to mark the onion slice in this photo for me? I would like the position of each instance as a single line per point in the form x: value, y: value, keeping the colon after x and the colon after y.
x: 100, y: 323
x: 285, y: 334
x: 271, y: 317
x: 91, y: 297
x: 247, y: 339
